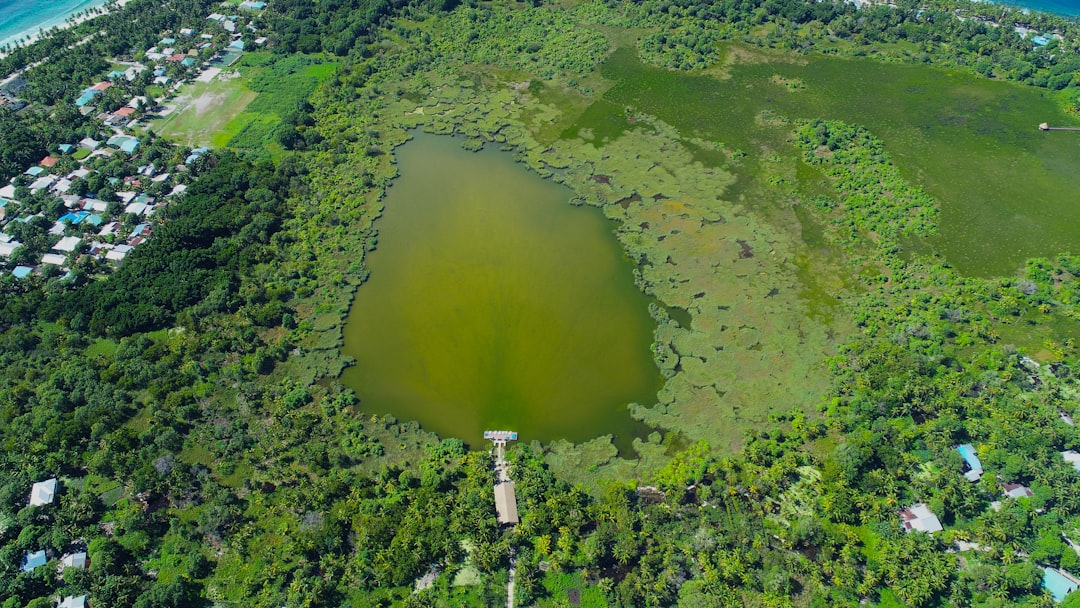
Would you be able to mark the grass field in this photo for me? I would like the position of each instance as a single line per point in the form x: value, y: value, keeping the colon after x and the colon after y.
x: 203, y: 111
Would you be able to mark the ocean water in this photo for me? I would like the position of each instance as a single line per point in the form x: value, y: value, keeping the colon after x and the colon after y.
x: 1069, y: 8
x: 20, y: 18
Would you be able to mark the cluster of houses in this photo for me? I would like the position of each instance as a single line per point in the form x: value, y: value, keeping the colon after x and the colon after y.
x: 90, y: 226
x: 43, y: 494
x: 919, y: 518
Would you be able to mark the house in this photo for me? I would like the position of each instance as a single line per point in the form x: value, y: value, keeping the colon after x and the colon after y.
x: 188, y: 62
x: 117, y: 253
x: 1059, y: 583
x: 86, y: 97
x: 1015, y: 490
x: 21, y: 272
x: 42, y: 182
x: 6, y: 249
x: 67, y: 244
x: 89, y: 143
x: 43, y: 492
x: 971, y: 461
x: 229, y: 26
x: 124, y: 112
x: 235, y: 45
x: 252, y: 6
x: 136, y: 208
x: 49, y: 161
x: 73, y: 601
x: 8, y: 192
x: 74, y: 560
x: 33, y: 171
x: 505, y: 503
x: 187, y: 31
x: 54, y: 258
x: 126, y: 143
x: 62, y: 185
x: 94, y: 204
x: 195, y: 154
x: 101, y: 86
x: 108, y: 229
x: 918, y: 517
x: 1072, y: 457
x: 33, y: 560
x: 167, y: 42
x: 216, y: 17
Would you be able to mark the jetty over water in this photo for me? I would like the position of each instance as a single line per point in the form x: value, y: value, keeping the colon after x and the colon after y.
x: 505, y: 500
x: 1046, y: 127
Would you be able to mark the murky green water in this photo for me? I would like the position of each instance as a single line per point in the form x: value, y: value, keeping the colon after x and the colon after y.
x: 1008, y: 191
x: 493, y: 303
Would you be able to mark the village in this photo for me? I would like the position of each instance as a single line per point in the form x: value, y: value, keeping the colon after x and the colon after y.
x: 88, y: 203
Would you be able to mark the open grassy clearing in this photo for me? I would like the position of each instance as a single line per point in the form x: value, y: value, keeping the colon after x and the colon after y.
x: 204, y: 109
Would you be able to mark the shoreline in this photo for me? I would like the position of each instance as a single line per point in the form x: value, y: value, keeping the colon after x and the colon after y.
x: 61, y: 22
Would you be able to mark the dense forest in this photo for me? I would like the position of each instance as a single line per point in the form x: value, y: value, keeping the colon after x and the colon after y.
x: 205, y: 453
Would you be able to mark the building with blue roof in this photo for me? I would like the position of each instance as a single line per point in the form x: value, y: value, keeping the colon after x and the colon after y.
x: 87, y: 96
x: 74, y: 218
x: 1059, y: 583
x: 236, y: 45
x: 971, y: 460
x: 125, y: 142
x: 33, y: 171
x: 33, y: 560
x: 66, y: 148
x: 188, y: 61
x: 1041, y: 40
x: 195, y: 154
x: 115, y: 74
x: 21, y: 272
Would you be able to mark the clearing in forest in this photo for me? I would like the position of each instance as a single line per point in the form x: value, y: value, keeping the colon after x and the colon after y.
x: 202, y: 109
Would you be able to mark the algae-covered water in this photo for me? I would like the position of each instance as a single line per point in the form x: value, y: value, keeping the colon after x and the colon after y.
x: 495, y: 304
x: 1008, y: 191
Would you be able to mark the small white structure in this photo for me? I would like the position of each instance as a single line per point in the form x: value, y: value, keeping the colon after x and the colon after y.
x: 74, y: 560
x: 1015, y: 490
x: 73, y: 601
x: 43, y: 492
x: 1072, y: 457
x: 918, y: 517
x: 118, y: 253
x: 67, y: 244
x: 54, y: 258
x: 6, y: 249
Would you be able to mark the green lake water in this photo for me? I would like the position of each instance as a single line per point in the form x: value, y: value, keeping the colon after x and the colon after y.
x: 1008, y: 191
x: 495, y: 304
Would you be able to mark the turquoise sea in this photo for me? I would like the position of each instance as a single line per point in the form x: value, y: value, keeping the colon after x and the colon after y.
x: 25, y: 17
x: 1069, y: 8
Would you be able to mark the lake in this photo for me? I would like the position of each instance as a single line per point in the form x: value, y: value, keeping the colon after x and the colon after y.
x: 495, y: 304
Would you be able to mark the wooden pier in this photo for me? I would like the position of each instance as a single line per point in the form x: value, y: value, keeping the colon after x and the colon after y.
x: 1046, y: 127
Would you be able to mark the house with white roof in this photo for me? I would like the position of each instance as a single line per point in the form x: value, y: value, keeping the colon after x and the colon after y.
x: 74, y: 560
x: 67, y: 244
x: 1072, y: 457
x: 73, y: 601
x: 118, y: 253
x: 54, y: 258
x: 918, y: 517
x: 43, y: 492
x: 6, y: 249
